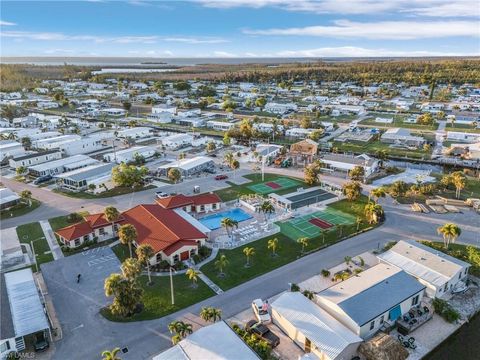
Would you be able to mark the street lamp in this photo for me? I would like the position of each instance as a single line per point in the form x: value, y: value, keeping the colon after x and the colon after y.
x: 171, y: 284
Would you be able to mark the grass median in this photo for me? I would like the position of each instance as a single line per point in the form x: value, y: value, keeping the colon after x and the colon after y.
x: 33, y: 232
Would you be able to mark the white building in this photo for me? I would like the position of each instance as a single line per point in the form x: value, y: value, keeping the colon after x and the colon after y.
x: 80, y: 179
x: 164, y: 108
x: 8, y: 198
x: 439, y: 272
x: 34, y: 159
x: 213, y: 342
x: 313, y: 329
x: 267, y: 127
x: 299, y: 133
x: 220, y: 125
x: 74, y: 144
x: 280, y: 108
x: 189, y: 167
x: 61, y: 165
x: 364, y: 302
x: 464, y: 137
x: 135, y: 132
x: 383, y: 120
x: 128, y: 155
x: 345, y: 163
x: 177, y: 141
x: 10, y: 148
x: 114, y: 111
x: 401, y: 136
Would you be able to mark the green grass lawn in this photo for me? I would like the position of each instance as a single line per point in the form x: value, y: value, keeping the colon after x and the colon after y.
x: 374, y: 146
x: 289, y: 250
x: 462, y: 128
x: 235, y: 191
x: 122, y: 252
x: 398, y: 121
x: 106, y: 194
x: 19, y: 210
x: 33, y: 232
x: 157, y: 298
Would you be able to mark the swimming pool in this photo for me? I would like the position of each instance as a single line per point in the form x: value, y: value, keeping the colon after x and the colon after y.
x: 214, y: 221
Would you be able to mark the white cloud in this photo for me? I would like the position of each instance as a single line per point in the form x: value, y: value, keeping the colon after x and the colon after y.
x: 353, y: 51
x: 224, y: 54
x: 442, y: 8
x: 152, y: 39
x: 6, y: 23
x: 395, y: 30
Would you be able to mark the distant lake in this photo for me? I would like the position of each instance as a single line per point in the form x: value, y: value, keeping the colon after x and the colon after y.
x: 127, y: 70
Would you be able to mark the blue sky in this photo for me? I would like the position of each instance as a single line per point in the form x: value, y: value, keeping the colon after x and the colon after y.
x: 240, y: 28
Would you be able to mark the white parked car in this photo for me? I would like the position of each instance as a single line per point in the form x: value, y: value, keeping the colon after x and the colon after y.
x: 260, y: 309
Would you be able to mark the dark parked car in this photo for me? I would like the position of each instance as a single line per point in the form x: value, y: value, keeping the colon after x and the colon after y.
x: 212, y: 155
x: 263, y: 332
x: 42, y: 179
x: 221, y: 177
x: 41, y: 341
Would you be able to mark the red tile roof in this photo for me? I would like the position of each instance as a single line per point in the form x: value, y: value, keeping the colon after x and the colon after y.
x: 159, y: 227
x: 178, y: 245
x: 178, y: 201
x: 98, y: 220
x: 75, y: 231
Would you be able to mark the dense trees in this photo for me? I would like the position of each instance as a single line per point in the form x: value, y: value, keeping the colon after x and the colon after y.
x: 352, y: 190
x: 128, y: 175
x: 311, y: 172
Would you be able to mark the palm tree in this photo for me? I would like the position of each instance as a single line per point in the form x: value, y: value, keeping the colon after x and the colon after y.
x: 267, y: 208
x: 111, y: 215
x: 458, y: 180
x: 229, y: 223
x: 127, y: 235
x: 273, y: 245
x: 180, y: 329
x: 126, y: 294
x: 111, y: 355
x: 249, y: 252
x: 373, y: 212
x: 144, y: 254
x: 304, y: 242
x: 210, y: 314
x: 308, y: 294
x: 229, y: 158
x: 192, y: 275
x: 221, y: 264
x: 131, y: 269
x: 358, y: 221
x: 27, y: 196
x: 377, y: 193
x: 352, y: 190
x: 450, y: 233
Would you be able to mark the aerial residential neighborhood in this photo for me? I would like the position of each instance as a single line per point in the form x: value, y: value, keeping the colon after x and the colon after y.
x: 239, y: 180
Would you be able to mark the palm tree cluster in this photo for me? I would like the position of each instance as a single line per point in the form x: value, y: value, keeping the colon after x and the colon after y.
x: 126, y: 292
x: 374, y: 213
x: 229, y: 224
x: 450, y: 233
x: 352, y: 190
x: 210, y: 314
x: 180, y: 330
x: 267, y: 208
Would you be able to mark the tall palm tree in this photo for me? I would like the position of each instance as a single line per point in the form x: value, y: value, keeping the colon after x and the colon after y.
x: 229, y: 158
x: 192, y: 275
x: 450, y: 233
x: 273, y: 245
x: 221, y: 264
x: 304, y: 242
x: 131, y: 269
x: 111, y: 355
x: 458, y: 180
x: 373, y: 212
x: 358, y: 221
x: 267, y: 208
x: 211, y: 314
x: 111, y: 215
x: 128, y: 235
x: 144, y: 254
x: 27, y: 196
x: 249, y: 252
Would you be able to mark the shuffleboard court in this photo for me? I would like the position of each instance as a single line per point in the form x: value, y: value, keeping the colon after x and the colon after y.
x: 279, y: 183
x: 312, y: 225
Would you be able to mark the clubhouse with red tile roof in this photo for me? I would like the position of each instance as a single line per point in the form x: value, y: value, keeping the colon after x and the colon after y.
x: 173, y: 234
x: 200, y: 203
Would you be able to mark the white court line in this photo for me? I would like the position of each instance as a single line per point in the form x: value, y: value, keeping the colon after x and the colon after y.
x: 101, y: 260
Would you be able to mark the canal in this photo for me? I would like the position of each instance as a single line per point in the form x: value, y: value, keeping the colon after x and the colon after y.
x: 462, y: 345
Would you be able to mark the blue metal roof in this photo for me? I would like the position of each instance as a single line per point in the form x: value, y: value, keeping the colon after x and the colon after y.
x: 380, y: 298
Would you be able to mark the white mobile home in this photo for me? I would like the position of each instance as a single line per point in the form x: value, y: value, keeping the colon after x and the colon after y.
x: 189, y: 167
x: 128, y: 155
x: 10, y: 148
x: 34, y: 159
x: 345, y: 163
x: 368, y: 300
x: 177, y: 141
x: 439, y: 272
x: 79, y: 179
x: 220, y: 125
x: 401, y: 136
x: 61, y: 165
x: 463, y: 137
x: 135, y: 132
x: 313, y: 329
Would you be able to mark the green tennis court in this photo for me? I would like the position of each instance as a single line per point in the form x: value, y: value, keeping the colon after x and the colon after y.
x: 279, y: 183
x: 302, y: 227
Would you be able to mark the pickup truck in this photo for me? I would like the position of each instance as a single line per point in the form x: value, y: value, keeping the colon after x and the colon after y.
x: 263, y: 332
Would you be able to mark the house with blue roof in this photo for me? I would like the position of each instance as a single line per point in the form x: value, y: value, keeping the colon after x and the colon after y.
x: 372, y: 299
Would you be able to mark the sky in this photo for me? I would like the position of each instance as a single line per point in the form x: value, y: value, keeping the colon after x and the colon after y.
x: 240, y: 28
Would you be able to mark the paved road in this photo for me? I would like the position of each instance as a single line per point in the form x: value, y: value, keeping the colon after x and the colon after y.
x: 150, y: 337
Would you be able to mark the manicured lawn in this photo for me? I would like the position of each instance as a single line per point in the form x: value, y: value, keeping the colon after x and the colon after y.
x: 289, y: 250
x: 33, y: 232
x: 462, y: 128
x: 235, y: 191
x: 109, y: 193
x: 374, y: 146
x: 397, y: 122
x: 456, y: 250
x: 157, y: 298
x: 122, y: 252
x: 19, y: 210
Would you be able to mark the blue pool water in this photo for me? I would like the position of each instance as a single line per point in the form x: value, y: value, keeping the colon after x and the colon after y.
x: 214, y: 221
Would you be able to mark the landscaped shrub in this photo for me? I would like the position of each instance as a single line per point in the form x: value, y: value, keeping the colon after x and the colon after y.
x: 389, y: 245
x: 445, y: 310
x: 294, y: 287
x: 325, y: 273
x: 258, y: 345
x: 74, y: 217
x: 196, y: 259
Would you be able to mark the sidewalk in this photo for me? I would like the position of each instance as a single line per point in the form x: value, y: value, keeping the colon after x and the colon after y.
x: 52, y: 241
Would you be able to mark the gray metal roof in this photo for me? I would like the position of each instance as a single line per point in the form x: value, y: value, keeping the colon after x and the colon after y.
x: 6, y: 328
x: 88, y: 172
x: 381, y: 297
x: 35, y: 154
x: 28, y: 315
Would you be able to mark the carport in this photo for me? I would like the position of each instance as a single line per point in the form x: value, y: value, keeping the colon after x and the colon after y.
x: 26, y: 315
